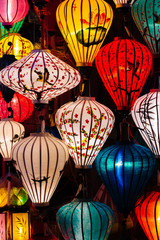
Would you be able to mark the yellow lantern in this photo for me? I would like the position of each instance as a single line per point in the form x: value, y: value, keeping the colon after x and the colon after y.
x: 16, y: 45
x: 84, y: 26
x: 20, y: 226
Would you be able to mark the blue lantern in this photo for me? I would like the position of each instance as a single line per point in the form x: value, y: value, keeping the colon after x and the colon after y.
x: 146, y: 14
x: 84, y: 219
x: 125, y: 168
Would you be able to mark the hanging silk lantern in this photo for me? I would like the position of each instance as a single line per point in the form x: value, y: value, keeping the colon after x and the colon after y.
x: 13, y: 11
x: 145, y: 13
x: 20, y: 225
x: 40, y: 76
x: 145, y: 114
x: 148, y: 214
x: 85, y: 219
x: 16, y: 45
x: 40, y: 158
x: 22, y: 107
x: 84, y: 126
x: 124, y: 66
x: 125, y: 168
x: 123, y: 4
x: 84, y: 26
x: 11, y: 132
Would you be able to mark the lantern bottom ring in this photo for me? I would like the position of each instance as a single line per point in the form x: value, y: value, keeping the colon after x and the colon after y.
x: 40, y: 204
x: 83, y: 166
x: 7, y: 159
x: 85, y: 64
x: 40, y: 101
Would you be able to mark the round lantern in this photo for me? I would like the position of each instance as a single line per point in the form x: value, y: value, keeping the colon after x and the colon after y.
x: 125, y: 168
x: 146, y: 117
x: 11, y: 132
x: 85, y: 219
x: 16, y: 45
x: 84, y: 26
x: 124, y: 66
x: 84, y: 125
x: 22, y: 107
x: 146, y: 16
x: 13, y: 11
x: 40, y: 158
x: 40, y: 76
x: 148, y: 214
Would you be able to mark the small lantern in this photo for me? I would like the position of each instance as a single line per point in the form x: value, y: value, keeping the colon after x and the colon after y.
x: 14, y: 29
x: 84, y: 125
x: 15, y: 45
x: 3, y: 232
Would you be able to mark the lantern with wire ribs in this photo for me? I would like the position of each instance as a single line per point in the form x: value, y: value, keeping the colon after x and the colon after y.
x: 84, y: 125
x: 124, y: 66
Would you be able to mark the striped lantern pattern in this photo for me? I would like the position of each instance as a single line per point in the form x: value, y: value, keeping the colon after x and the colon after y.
x: 124, y: 66
x: 40, y: 76
x: 84, y: 126
x: 11, y: 132
x: 145, y: 114
x: 125, y: 169
x: 84, y: 26
x: 85, y: 219
x: 40, y: 158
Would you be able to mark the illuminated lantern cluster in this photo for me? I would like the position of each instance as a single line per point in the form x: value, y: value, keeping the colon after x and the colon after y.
x: 84, y: 125
x: 16, y: 45
x: 148, y: 214
x: 84, y: 26
x: 40, y: 76
x: 125, y: 169
x: 146, y: 16
x: 124, y: 66
x: 85, y: 219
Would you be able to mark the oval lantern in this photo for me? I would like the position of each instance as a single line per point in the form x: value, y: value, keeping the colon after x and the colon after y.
x: 11, y: 132
x: 13, y: 11
x: 15, y: 45
x: 148, y: 214
x: 40, y: 76
x: 84, y: 125
x: 124, y: 66
x: 40, y: 158
x: 22, y: 107
x: 145, y: 14
x: 84, y: 26
x: 84, y: 219
x: 125, y: 168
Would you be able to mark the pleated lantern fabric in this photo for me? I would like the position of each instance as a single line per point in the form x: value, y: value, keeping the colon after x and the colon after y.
x: 125, y: 169
x: 40, y: 76
x: 11, y: 132
x: 40, y: 158
x: 148, y: 214
x: 145, y: 14
x: 85, y: 219
x: 84, y: 125
x: 145, y: 114
x: 84, y: 26
x: 124, y: 66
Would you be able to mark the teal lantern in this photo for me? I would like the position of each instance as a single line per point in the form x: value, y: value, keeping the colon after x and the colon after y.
x: 84, y: 219
x: 146, y: 14
x: 125, y: 169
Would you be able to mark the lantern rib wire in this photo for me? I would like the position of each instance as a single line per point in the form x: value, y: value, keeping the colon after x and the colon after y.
x: 40, y: 167
x: 147, y: 218
x: 90, y: 215
x: 90, y: 27
x: 100, y: 219
x: 44, y: 65
x: 155, y: 217
x: 158, y: 114
x: 81, y: 132
x: 82, y: 227
x: 75, y: 206
x: 48, y: 163
x: 5, y: 139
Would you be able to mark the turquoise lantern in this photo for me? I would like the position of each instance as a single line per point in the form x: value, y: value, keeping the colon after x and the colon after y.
x: 146, y: 14
x: 84, y: 219
x: 125, y: 169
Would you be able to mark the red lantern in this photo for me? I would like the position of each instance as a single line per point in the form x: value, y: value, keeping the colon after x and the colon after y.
x: 124, y: 66
x: 22, y: 107
x: 12, y: 11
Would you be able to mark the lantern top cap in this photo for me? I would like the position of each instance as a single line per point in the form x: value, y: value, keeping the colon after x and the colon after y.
x: 40, y: 50
x: 7, y: 119
x: 154, y: 90
x: 39, y: 134
x: 117, y: 38
x: 86, y: 98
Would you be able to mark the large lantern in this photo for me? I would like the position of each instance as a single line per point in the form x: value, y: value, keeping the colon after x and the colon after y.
x: 84, y: 125
x: 40, y: 158
x: 40, y: 76
x: 14, y: 29
x: 84, y: 26
x: 15, y: 45
x: 125, y: 168
x: 11, y: 132
x: 124, y: 66
x: 85, y: 219
x: 13, y: 11
x: 148, y: 214
x: 146, y: 16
